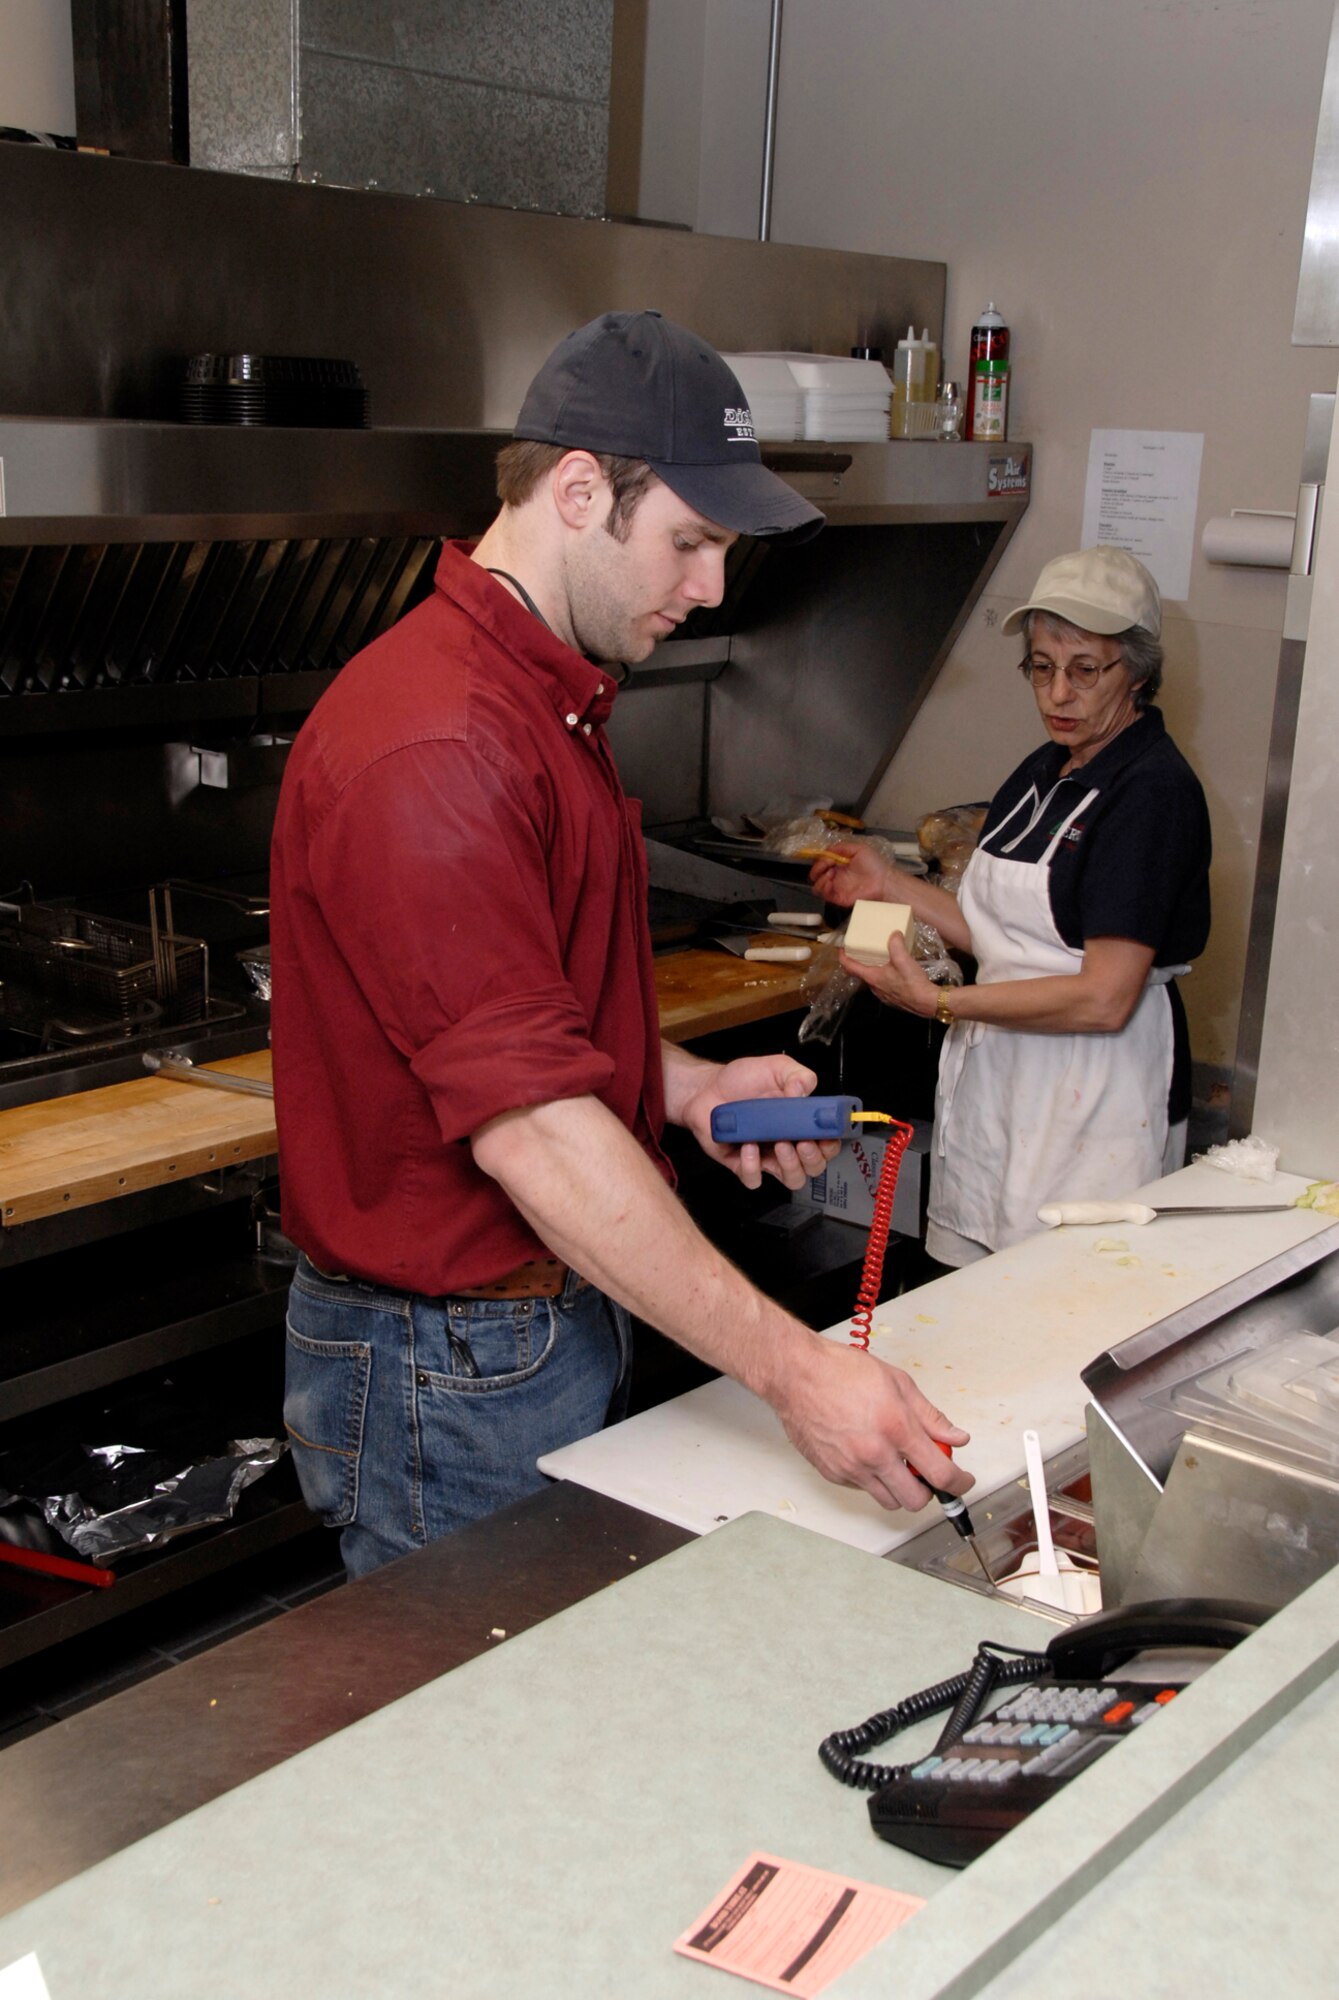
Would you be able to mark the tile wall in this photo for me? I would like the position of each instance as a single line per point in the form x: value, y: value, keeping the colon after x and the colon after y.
x: 497, y: 101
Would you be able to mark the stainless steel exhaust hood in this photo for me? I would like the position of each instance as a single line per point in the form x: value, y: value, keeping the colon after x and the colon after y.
x: 167, y: 573
x: 803, y: 680
x: 108, y: 480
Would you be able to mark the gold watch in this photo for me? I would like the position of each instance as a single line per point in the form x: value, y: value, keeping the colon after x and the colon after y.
x: 943, y: 1012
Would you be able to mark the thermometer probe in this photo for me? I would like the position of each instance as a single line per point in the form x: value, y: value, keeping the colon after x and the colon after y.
x: 760, y: 1121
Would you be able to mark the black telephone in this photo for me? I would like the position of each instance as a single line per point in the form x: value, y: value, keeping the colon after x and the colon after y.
x: 988, y: 1771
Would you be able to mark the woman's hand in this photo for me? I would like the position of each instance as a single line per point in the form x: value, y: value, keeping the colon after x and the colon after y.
x: 868, y: 878
x: 900, y: 983
x: 864, y: 876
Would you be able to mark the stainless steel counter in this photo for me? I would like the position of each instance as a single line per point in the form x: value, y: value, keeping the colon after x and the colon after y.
x: 546, y: 1819
x: 89, y: 1786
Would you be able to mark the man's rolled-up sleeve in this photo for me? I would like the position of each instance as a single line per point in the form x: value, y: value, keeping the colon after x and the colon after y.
x: 432, y: 873
x: 531, y: 1048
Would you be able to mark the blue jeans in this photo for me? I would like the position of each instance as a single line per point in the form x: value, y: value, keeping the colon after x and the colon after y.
x: 411, y: 1416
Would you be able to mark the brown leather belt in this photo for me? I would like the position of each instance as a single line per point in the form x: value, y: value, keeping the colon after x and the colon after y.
x: 541, y: 1278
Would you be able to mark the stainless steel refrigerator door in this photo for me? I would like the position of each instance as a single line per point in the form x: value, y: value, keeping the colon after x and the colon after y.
x: 1282, y: 751
x: 1316, y: 323
x: 1294, y: 1102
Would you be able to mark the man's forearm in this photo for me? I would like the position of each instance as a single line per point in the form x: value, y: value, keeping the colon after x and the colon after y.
x: 593, y: 1198
x: 683, y: 1074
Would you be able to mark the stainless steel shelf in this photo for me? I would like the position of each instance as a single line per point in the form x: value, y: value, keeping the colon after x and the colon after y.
x: 38, y: 1612
x: 105, y: 480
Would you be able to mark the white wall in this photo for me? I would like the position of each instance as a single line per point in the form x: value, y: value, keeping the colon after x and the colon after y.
x: 671, y: 112
x: 37, y: 66
x: 1128, y: 181
x: 704, y: 113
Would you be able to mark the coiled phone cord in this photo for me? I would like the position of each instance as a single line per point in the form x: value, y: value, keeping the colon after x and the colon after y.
x: 871, y: 1277
x: 842, y: 1753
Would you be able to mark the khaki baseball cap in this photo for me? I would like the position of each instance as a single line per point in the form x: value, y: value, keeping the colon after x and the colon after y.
x: 1099, y: 590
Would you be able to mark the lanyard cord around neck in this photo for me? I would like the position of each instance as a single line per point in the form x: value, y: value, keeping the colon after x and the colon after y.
x: 616, y: 669
x: 525, y: 597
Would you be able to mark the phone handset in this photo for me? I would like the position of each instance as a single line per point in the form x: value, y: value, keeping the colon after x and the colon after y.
x: 1095, y: 1646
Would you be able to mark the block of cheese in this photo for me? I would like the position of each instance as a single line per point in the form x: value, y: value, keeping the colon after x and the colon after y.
x: 871, y: 925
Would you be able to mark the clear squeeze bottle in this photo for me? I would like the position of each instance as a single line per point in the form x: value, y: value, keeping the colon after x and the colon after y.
x: 930, y: 365
x: 913, y: 387
x: 988, y: 378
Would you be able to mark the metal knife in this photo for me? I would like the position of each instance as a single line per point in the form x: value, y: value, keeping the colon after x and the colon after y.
x: 178, y: 1068
x: 1057, y: 1213
x: 754, y: 943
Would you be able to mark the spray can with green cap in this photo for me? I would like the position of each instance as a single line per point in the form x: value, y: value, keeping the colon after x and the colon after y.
x: 988, y: 378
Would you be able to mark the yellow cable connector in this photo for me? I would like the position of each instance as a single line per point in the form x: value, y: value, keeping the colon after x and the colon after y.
x: 872, y: 1118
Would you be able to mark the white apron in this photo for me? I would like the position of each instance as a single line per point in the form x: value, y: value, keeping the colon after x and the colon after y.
x: 1022, y: 1118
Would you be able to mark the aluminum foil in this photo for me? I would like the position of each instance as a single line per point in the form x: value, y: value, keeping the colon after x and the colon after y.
x: 136, y: 1499
x: 256, y: 964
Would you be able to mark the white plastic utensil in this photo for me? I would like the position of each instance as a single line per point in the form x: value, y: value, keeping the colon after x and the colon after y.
x: 1041, y: 1506
x: 1056, y: 1213
x: 1051, y: 1585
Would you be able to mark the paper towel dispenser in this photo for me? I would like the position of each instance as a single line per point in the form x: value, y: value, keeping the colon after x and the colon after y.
x: 1250, y: 538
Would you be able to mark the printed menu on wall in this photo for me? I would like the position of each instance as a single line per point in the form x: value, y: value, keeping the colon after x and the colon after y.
x: 1141, y: 494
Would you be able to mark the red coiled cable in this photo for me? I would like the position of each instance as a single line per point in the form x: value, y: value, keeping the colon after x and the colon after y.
x: 871, y: 1277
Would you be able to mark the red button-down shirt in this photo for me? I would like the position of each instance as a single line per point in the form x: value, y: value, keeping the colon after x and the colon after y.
x: 458, y: 928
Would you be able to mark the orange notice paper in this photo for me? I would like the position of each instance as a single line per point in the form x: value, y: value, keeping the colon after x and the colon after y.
x: 792, y: 1927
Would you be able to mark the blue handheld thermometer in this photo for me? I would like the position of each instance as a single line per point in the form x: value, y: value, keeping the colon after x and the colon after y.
x: 760, y: 1121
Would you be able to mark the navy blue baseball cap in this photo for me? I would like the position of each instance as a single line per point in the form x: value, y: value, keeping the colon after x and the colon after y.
x: 636, y: 385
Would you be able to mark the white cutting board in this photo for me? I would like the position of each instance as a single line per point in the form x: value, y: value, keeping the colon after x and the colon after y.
x: 999, y: 1345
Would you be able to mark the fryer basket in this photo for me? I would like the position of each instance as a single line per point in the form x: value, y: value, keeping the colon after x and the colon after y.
x: 109, y: 967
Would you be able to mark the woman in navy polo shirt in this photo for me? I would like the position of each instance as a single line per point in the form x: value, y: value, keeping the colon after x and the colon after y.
x: 1065, y: 1072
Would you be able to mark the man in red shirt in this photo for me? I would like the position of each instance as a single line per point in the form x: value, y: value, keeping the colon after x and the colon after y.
x: 470, y: 1083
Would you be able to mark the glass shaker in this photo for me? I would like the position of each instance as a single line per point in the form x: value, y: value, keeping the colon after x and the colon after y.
x: 948, y: 428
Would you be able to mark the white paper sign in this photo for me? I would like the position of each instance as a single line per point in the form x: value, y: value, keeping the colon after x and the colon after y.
x: 23, y: 1980
x: 1141, y: 495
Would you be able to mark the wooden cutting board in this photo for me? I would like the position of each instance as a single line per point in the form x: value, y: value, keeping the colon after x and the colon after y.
x: 99, y: 1144
x: 702, y: 990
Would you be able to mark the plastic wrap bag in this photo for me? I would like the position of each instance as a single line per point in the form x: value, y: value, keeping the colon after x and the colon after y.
x: 948, y: 839
x: 834, y: 991
x: 929, y: 950
x: 772, y: 820
x: 1251, y: 1159
x: 827, y: 1009
x: 802, y: 836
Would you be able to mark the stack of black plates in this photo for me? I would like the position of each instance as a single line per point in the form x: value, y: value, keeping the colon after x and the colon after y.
x: 272, y: 389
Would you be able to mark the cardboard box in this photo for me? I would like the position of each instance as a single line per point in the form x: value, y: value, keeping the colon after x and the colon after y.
x: 846, y: 1190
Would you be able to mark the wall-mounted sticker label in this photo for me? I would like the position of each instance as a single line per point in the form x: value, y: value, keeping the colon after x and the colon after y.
x: 1008, y: 473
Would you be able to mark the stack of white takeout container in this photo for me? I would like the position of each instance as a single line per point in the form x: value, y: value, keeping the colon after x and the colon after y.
x: 835, y: 397
x: 772, y: 393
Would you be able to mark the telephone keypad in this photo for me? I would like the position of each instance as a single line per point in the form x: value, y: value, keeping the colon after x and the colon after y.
x: 955, y: 1803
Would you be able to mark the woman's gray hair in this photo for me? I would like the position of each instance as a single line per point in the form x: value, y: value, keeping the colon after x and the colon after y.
x: 1140, y: 651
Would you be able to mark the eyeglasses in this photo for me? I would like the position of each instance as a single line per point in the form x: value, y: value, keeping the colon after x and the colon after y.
x: 1081, y: 674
